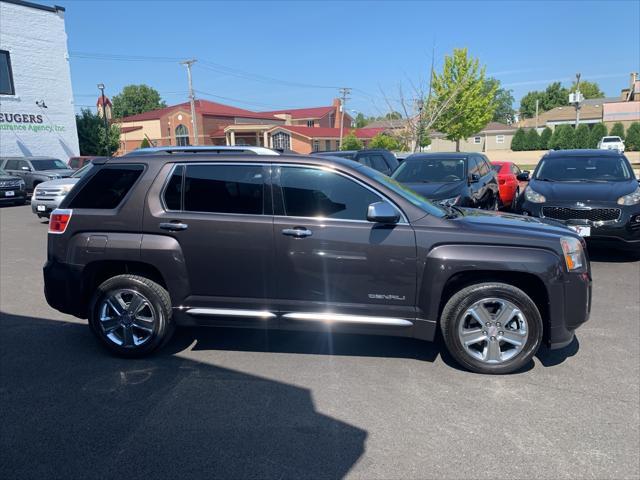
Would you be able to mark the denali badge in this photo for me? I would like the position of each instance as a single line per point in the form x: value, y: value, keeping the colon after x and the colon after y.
x: 380, y: 296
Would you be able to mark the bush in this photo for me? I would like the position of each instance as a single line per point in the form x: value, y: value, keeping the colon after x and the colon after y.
x: 563, y: 138
x: 633, y: 137
x: 617, y: 130
x: 519, y: 140
x: 583, y: 136
x: 384, y: 141
x: 598, y: 131
x: 351, y: 142
x: 145, y: 143
x: 545, y: 136
x: 532, y: 141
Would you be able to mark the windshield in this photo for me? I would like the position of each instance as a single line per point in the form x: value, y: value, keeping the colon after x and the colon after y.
x: 424, y: 170
x: 3, y: 172
x: 49, y: 164
x: 405, y: 192
x: 81, y: 172
x: 583, y: 168
x: 611, y: 139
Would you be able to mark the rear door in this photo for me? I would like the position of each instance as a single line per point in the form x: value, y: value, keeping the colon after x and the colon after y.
x: 329, y: 257
x: 220, y: 214
x: 375, y: 160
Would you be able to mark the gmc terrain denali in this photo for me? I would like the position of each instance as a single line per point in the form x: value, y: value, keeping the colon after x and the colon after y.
x: 142, y: 244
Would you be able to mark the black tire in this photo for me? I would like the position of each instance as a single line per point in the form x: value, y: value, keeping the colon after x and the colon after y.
x: 514, y: 200
x: 159, y: 303
x: 454, y: 313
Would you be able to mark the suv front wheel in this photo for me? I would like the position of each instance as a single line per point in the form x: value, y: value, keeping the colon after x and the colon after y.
x: 491, y: 328
x: 131, y: 315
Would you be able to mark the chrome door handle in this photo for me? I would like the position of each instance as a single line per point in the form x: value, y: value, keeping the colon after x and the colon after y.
x: 298, y: 232
x: 174, y: 226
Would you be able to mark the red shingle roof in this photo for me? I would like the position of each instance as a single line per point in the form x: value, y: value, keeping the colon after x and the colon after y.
x: 313, y: 112
x: 130, y: 129
x: 204, y: 107
x: 325, y: 132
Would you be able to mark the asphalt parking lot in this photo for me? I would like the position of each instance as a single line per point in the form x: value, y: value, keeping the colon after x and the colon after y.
x: 221, y: 403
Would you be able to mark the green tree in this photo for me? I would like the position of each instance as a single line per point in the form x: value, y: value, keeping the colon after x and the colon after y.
x: 504, y: 112
x: 598, y: 131
x: 519, y: 140
x: 545, y: 136
x: 563, y: 138
x: 617, y: 130
x: 136, y: 99
x: 528, y: 104
x: 532, y: 141
x: 351, y: 142
x: 382, y: 140
x: 145, y: 143
x: 588, y: 89
x: 633, y: 137
x: 555, y: 96
x: 460, y: 90
x: 361, y: 120
x: 583, y: 136
x: 393, y: 116
x: 91, y: 135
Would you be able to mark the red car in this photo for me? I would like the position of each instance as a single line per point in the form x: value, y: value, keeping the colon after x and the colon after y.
x: 511, y: 181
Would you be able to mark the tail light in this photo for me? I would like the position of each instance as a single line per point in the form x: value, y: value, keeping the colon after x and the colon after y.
x: 59, y: 220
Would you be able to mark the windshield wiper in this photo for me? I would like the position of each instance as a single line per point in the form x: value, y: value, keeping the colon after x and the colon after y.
x: 546, y: 179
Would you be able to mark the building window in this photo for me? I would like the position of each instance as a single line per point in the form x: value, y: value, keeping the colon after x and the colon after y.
x: 182, y: 136
x: 6, y: 74
x: 327, y: 145
x: 281, y: 141
x: 316, y: 145
x: 499, y: 138
x: 477, y: 140
x: 310, y: 123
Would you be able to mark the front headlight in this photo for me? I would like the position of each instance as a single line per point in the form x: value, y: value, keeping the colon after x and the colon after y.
x: 65, y: 189
x: 449, y: 201
x: 573, y: 253
x: 632, y: 199
x: 533, y: 196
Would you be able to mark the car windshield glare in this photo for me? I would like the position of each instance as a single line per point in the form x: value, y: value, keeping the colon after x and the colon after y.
x: 611, y: 139
x: 82, y: 172
x: 48, y: 164
x: 441, y: 170
x: 406, y: 193
x: 583, y: 168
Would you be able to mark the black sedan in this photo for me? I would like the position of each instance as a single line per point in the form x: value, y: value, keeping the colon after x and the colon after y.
x: 593, y: 192
x: 12, y: 189
x: 461, y: 179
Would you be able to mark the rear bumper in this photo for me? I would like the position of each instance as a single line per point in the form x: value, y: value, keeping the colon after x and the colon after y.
x: 62, y: 288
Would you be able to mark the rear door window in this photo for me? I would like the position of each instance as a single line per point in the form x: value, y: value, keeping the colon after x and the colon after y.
x: 235, y: 189
x: 375, y: 161
x: 108, y: 187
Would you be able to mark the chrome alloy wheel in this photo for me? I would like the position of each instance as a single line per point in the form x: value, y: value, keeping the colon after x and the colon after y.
x: 493, y: 330
x: 127, y: 318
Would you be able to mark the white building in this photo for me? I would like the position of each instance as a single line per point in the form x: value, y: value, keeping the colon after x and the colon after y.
x: 36, y: 101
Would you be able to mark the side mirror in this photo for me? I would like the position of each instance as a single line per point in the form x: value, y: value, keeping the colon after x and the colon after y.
x: 382, y: 212
x: 524, y: 176
x: 474, y: 178
x: 26, y: 169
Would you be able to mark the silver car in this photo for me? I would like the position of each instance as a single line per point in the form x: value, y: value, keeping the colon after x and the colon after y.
x: 47, y: 196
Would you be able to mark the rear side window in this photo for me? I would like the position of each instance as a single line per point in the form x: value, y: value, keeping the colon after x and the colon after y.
x: 108, y: 187
x: 173, y: 191
x: 375, y: 161
x: 224, y: 189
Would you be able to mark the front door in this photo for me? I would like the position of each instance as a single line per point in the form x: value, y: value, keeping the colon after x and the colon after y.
x: 220, y: 214
x: 329, y: 257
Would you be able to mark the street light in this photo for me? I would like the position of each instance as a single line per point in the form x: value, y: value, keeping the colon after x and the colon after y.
x: 104, y: 117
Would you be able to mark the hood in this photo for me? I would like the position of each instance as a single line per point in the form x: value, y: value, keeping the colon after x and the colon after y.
x: 5, y: 178
x: 59, y: 173
x: 513, y: 223
x: 437, y: 190
x: 586, y: 192
x: 59, y: 182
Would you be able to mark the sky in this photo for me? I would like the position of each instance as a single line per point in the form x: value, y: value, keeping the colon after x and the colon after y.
x: 266, y: 55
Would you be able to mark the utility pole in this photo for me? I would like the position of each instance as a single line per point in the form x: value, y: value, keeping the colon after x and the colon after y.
x: 344, y: 92
x: 578, y: 99
x: 192, y: 98
x: 537, y: 109
x: 106, y: 120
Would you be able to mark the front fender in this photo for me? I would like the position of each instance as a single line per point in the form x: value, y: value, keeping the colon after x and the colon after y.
x: 443, y: 262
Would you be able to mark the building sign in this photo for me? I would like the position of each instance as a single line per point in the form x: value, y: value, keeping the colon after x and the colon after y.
x: 27, y: 122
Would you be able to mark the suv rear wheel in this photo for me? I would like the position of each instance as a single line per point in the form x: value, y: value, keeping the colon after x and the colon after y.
x: 131, y: 315
x: 491, y: 328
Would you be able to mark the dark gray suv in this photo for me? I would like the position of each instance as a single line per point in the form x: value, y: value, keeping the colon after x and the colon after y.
x: 146, y: 243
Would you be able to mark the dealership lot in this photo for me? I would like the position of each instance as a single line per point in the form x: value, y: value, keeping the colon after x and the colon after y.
x: 253, y: 404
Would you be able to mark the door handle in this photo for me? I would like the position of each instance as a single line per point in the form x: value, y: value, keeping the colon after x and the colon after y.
x: 298, y: 232
x: 174, y: 226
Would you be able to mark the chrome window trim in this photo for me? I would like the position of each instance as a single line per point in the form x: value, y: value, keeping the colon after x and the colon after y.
x: 404, y: 220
